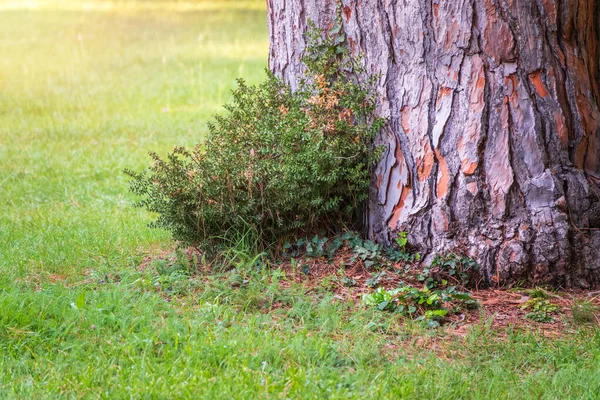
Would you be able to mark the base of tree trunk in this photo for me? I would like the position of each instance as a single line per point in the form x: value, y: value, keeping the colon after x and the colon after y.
x: 493, y: 143
x: 549, y: 241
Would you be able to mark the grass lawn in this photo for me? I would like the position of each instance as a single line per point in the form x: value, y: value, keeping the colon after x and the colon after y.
x: 87, y: 88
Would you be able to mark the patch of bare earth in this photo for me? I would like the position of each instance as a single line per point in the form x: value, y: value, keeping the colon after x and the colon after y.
x: 500, y: 308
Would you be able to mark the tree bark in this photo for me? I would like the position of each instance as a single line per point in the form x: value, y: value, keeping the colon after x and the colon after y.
x: 492, y: 145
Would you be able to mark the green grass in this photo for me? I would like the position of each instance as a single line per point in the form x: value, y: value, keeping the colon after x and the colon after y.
x: 84, y: 95
x: 214, y: 341
x: 86, y: 89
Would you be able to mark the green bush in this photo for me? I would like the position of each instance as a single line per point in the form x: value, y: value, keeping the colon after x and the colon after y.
x: 278, y: 163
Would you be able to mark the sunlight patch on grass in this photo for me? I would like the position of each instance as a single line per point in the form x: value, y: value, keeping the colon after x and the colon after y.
x: 132, y: 5
x: 86, y: 94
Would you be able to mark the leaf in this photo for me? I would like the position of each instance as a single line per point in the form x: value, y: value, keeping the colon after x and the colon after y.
x: 348, y: 282
x: 368, y: 299
x: 402, y: 239
x: 432, y: 323
x: 305, y: 269
x: 80, y: 302
x: 336, y: 28
x: 436, y: 313
x: 432, y: 298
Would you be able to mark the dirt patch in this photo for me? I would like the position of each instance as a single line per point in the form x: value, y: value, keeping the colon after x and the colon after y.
x: 502, y: 308
x: 347, y: 278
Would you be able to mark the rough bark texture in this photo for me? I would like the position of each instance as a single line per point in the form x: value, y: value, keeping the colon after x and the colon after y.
x: 492, y: 146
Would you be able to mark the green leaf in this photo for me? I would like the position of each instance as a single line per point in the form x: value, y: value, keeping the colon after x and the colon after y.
x: 305, y: 269
x: 336, y: 28
x: 402, y: 239
x: 368, y: 299
x: 436, y: 313
x: 80, y: 302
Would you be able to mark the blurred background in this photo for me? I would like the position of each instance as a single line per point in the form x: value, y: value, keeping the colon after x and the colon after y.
x: 87, y: 88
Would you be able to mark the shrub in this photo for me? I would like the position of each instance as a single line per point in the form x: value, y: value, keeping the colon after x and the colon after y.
x: 278, y: 163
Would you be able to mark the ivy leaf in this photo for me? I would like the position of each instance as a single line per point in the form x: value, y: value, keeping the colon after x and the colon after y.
x: 336, y: 28
x: 305, y: 269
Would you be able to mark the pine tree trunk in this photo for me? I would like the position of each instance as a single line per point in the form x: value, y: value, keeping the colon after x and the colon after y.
x: 492, y: 145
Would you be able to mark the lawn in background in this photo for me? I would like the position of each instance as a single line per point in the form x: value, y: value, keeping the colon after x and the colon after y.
x: 87, y: 88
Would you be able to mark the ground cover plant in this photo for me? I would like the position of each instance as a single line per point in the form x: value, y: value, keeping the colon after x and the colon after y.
x: 93, y: 304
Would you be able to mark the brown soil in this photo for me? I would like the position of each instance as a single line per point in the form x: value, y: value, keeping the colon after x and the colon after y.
x: 500, y: 307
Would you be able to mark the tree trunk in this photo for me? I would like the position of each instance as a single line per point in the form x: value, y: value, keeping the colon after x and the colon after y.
x: 492, y: 145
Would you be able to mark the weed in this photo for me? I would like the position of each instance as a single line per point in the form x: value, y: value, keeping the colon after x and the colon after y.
x: 429, y: 306
x: 540, y: 309
x: 538, y: 293
x: 315, y: 248
x: 449, y: 268
x: 373, y: 256
x: 348, y: 282
x: 376, y: 278
x: 370, y: 253
x: 401, y: 251
x: 382, y: 299
x: 585, y: 312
